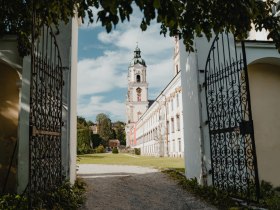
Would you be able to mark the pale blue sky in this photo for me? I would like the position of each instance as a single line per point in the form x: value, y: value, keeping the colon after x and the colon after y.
x: 104, y: 60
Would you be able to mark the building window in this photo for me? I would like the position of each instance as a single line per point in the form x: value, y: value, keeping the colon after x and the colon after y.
x: 167, y: 127
x: 173, y: 145
x: 179, y: 144
x: 138, y: 91
x: 172, y: 125
x: 177, y: 99
x: 138, y: 78
x: 171, y: 104
x: 177, y: 69
x: 178, y: 122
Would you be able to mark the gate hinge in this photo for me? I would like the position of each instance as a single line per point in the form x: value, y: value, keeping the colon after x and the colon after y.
x: 201, y: 86
x: 65, y: 68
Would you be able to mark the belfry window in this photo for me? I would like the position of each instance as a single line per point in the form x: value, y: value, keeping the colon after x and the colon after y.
x: 138, y: 78
x: 138, y: 91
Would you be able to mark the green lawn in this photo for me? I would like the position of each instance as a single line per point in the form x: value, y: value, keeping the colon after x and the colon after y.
x: 128, y: 159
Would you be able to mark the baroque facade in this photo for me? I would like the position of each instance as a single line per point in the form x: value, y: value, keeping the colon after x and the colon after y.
x: 154, y: 126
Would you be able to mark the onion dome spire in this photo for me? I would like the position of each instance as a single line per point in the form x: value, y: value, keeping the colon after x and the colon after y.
x: 137, y: 57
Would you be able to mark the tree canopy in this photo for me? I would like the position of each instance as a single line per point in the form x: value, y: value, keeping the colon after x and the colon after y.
x: 119, y: 131
x: 81, y: 123
x: 187, y: 18
x: 104, y: 128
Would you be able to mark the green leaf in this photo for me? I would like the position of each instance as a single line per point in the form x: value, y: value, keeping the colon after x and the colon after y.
x: 156, y: 4
x: 143, y: 26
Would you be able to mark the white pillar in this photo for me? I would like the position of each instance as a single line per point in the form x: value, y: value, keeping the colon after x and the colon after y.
x: 196, y: 137
x: 23, y: 130
x: 73, y: 100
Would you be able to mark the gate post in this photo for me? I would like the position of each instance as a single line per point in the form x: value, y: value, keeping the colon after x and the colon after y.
x: 250, y: 115
x: 197, y: 158
x: 23, y: 130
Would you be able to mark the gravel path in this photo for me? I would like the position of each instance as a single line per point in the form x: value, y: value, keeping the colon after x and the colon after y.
x: 118, y: 187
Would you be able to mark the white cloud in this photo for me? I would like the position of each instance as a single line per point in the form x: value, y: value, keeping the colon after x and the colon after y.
x: 108, y: 37
x: 115, y: 109
x: 150, y: 41
x: 94, y: 47
x: 159, y: 75
x: 108, y: 72
x: 102, y: 74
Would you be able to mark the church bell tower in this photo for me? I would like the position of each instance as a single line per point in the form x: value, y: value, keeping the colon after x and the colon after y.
x: 137, y: 93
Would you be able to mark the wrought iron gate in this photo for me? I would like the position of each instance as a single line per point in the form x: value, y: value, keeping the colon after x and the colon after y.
x: 45, y: 169
x: 233, y: 153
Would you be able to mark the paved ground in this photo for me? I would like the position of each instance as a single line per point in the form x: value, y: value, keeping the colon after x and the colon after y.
x: 112, y: 187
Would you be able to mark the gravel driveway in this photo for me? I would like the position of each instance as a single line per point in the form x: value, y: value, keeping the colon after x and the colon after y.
x: 118, y: 187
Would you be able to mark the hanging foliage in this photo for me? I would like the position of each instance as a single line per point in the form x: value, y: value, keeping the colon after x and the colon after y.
x: 188, y: 18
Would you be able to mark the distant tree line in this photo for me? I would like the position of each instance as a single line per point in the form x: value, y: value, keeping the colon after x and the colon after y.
x: 91, y: 136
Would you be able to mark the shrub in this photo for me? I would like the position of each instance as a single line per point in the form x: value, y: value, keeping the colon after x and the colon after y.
x: 137, y: 151
x: 13, y: 202
x: 270, y: 196
x: 83, y: 141
x: 100, y: 149
x: 115, y: 150
x: 66, y: 196
x: 95, y: 139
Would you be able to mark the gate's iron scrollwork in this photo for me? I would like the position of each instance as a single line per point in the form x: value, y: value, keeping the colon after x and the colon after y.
x: 233, y: 153
x: 45, y: 113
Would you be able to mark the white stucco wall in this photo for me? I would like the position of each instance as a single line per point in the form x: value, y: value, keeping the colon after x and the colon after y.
x: 9, y: 55
x: 264, y: 90
x: 9, y: 52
